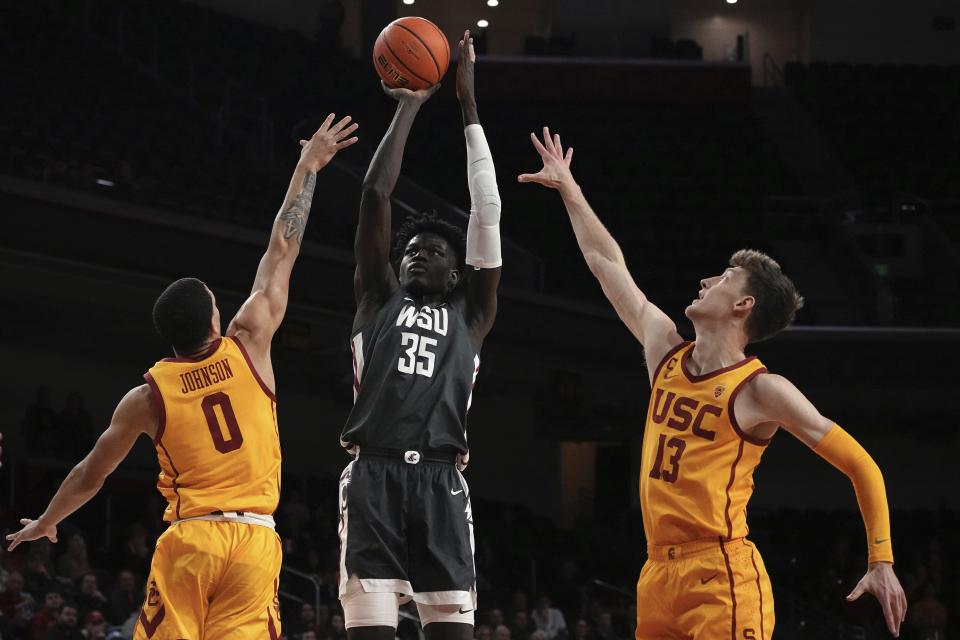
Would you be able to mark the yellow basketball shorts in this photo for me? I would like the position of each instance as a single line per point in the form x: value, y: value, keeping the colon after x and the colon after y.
x: 706, y: 589
x: 213, y: 580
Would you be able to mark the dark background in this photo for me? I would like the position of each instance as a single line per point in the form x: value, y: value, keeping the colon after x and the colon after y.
x: 141, y: 142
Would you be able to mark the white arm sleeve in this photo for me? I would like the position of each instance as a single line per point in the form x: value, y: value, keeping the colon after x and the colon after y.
x: 483, y: 231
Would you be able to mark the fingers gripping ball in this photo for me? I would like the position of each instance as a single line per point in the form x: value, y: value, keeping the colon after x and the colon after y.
x: 411, y: 53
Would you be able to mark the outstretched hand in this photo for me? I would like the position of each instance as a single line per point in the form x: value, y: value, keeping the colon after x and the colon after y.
x: 882, y: 582
x: 326, y: 142
x: 555, y: 173
x: 407, y: 96
x: 466, y: 57
x: 32, y: 530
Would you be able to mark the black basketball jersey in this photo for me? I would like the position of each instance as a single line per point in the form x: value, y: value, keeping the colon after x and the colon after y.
x: 413, y: 372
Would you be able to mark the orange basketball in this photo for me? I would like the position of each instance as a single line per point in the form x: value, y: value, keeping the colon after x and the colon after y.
x: 411, y: 53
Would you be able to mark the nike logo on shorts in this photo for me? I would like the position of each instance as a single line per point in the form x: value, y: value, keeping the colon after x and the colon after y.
x: 702, y: 581
x: 456, y: 493
x: 467, y: 611
x: 879, y: 541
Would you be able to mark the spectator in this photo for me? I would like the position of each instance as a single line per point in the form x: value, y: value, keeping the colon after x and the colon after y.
x: 296, y: 512
x: 582, y: 631
x: 44, y: 619
x: 501, y: 632
x: 337, y: 629
x: 16, y: 605
x: 309, y: 634
x: 538, y: 635
x: 483, y: 632
x: 520, y: 602
x: 928, y: 615
x: 323, y: 620
x: 569, y: 596
x: 4, y: 573
x: 138, y: 551
x: 604, y: 630
x: 522, y: 627
x: 549, y: 620
x: 65, y: 627
x: 495, y: 618
x: 95, y: 627
x: 306, y: 620
x: 73, y: 563
x: 124, y: 597
x: 38, y: 574
x: 90, y: 598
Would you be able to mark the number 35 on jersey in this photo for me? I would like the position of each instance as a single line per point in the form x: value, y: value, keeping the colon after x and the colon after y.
x: 418, y: 352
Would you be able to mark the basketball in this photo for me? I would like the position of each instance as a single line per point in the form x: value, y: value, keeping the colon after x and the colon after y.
x: 411, y: 53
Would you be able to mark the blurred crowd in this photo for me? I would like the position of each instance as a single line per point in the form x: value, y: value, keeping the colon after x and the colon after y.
x: 536, y: 580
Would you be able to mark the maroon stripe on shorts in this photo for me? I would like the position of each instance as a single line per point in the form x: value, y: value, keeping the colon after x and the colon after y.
x: 733, y: 595
x: 271, y: 628
x: 150, y: 626
x: 759, y: 591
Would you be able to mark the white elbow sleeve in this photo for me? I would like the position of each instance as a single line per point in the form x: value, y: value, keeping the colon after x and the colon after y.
x: 483, y: 232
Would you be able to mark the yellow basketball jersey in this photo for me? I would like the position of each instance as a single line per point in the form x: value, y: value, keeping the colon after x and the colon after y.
x: 696, y: 473
x: 218, y: 443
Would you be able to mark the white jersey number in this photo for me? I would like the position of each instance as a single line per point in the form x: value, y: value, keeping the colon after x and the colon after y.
x: 417, y: 358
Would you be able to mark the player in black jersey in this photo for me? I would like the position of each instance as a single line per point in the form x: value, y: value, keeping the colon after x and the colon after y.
x: 406, y: 527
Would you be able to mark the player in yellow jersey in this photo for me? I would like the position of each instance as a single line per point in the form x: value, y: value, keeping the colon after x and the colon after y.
x: 211, y: 412
x: 712, y: 411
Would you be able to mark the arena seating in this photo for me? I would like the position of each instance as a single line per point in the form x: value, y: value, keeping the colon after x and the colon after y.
x: 895, y: 127
x: 120, y: 118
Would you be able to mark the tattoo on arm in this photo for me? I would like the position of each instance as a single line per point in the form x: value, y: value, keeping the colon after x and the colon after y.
x: 295, y: 216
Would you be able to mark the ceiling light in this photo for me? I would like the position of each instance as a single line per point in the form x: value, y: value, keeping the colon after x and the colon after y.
x: 493, y: 3
x: 728, y: 1
x: 408, y: 1
x: 482, y: 24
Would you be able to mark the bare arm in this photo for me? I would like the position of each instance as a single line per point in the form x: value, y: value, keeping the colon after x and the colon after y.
x: 483, y: 232
x: 374, y: 279
x: 773, y: 400
x: 134, y: 415
x: 260, y: 316
x: 651, y: 326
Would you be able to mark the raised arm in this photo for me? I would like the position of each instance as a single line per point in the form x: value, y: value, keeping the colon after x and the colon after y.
x: 135, y: 414
x: 260, y: 316
x: 771, y: 400
x: 483, y: 230
x: 374, y: 279
x: 651, y: 326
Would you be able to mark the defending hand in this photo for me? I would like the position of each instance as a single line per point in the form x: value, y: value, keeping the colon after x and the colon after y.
x: 326, y: 142
x: 556, y: 165
x: 32, y: 530
x: 465, y: 62
x: 881, y: 581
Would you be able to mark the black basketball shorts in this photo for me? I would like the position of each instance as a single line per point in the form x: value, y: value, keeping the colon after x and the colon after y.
x: 406, y: 527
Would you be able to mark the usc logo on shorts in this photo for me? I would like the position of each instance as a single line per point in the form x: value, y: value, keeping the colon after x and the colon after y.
x: 153, y: 600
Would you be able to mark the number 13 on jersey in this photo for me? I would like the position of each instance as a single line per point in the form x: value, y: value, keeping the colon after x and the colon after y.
x: 417, y: 357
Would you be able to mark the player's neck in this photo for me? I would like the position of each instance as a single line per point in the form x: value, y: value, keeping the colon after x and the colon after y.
x: 429, y: 299
x: 196, y: 354
x: 716, y: 349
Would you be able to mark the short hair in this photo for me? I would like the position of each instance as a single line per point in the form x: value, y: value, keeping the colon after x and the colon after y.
x: 430, y: 223
x: 182, y: 314
x: 777, y: 300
